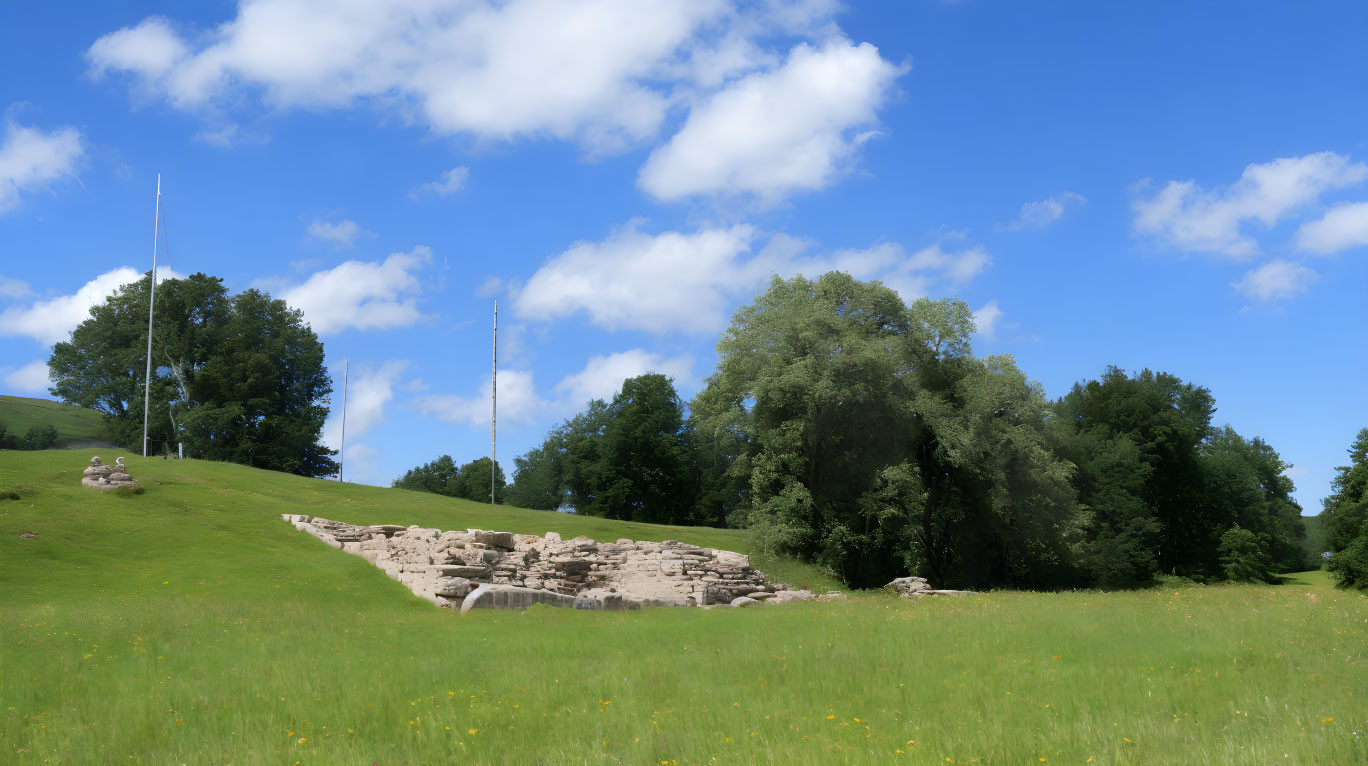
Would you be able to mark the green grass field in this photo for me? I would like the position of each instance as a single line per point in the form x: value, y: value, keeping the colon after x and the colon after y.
x: 190, y: 624
x: 73, y: 424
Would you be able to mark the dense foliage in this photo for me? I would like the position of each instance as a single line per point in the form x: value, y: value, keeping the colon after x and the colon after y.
x: 1161, y: 490
x: 630, y: 459
x: 1346, y: 518
x: 37, y: 437
x: 862, y: 434
x: 470, y: 481
x: 238, y: 378
x: 879, y: 445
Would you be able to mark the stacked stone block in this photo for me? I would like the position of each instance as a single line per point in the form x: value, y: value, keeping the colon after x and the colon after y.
x: 478, y: 568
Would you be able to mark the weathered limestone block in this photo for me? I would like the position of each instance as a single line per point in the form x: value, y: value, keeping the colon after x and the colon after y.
x: 498, y: 569
x: 452, y: 587
x: 917, y: 587
x: 501, y: 540
x: 784, y: 596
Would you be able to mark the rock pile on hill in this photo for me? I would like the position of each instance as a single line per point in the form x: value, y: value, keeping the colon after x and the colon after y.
x: 103, y: 476
x: 916, y: 587
x: 481, y: 569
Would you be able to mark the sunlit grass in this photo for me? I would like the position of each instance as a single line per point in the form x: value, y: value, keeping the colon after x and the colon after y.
x: 191, y: 625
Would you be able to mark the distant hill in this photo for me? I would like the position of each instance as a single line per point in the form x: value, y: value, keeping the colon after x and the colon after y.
x: 76, y: 426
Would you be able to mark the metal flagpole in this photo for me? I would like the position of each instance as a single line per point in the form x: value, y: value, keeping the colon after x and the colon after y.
x: 494, y: 405
x: 342, y: 452
x: 151, y: 303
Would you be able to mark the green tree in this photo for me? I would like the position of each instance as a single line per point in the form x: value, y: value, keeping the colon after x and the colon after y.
x: 443, y: 477
x: 40, y: 437
x: 235, y: 378
x: 1244, y: 556
x: 473, y: 482
x: 647, y: 466
x: 438, y: 477
x: 1247, y: 486
x: 1345, y: 517
x: 630, y: 459
x: 539, y: 475
x: 1136, y: 442
x: 878, y: 444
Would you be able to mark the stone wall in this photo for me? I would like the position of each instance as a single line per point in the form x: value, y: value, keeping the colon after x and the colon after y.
x: 477, y: 568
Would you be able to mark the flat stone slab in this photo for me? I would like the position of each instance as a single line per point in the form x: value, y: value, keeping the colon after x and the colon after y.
x: 512, y: 597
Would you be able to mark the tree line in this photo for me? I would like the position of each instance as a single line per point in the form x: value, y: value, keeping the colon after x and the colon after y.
x: 862, y: 434
x: 35, y: 438
x: 1345, y: 516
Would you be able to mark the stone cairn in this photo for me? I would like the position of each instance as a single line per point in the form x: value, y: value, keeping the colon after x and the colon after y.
x: 103, y: 476
x: 501, y: 570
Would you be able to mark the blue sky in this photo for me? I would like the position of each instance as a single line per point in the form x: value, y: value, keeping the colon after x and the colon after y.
x: 1175, y: 186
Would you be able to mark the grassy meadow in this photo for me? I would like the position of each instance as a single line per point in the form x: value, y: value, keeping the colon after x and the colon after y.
x: 73, y: 424
x: 189, y: 624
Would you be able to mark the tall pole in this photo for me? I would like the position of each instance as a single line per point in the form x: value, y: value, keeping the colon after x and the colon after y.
x: 494, y: 405
x: 151, y: 302
x: 342, y: 451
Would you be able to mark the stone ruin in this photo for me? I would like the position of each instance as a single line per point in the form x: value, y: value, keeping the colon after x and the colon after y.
x: 481, y: 569
x: 103, y: 476
x: 917, y: 587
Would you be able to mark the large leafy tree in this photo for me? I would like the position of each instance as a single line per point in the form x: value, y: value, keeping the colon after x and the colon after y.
x: 1346, y: 518
x: 238, y: 378
x: 646, y: 468
x: 1162, y: 490
x: 538, y: 475
x: 878, y: 444
x: 630, y: 459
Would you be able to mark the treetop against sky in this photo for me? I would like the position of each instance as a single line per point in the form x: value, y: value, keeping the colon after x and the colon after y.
x: 1161, y: 186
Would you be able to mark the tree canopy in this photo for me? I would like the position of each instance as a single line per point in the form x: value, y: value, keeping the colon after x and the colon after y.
x: 878, y: 443
x: 238, y: 378
x: 1346, y: 517
x: 470, y: 481
x: 852, y: 430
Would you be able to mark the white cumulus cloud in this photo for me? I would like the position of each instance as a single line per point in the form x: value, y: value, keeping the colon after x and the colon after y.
x: 14, y: 288
x: 369, y: 388
x: 776, y: 132
x: 690, y: 282
x: 1185, y: 216
x: 149, y: 49
x: 1344, y: 226
x: 31, y: 377
x: 340, y: 234
x: 602, y: 376
x: 1038, y: 215
x: 518, y: 402
x: 363, y: 295
x: 669, y: 281
x: 52, y: 320
x: 32, y: 159
x: 986, y: 319
x: 579, y: 70
x: 449, y: 183
x: 604, y: 74
x: 1275, y: 280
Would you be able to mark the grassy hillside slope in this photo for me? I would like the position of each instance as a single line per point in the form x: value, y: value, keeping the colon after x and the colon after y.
x: 190, y: 624
x: 20, y: 413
